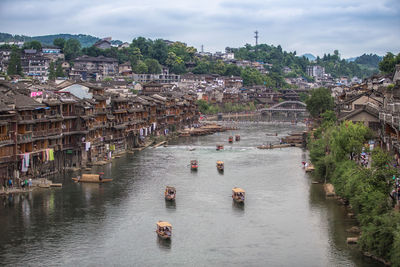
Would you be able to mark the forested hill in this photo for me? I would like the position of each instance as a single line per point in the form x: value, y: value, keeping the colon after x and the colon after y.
x: 85, y: 40
x: 362, y: 67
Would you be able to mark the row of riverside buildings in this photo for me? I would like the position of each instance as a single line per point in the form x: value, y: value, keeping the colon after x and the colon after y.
x: 45, y: 129
x: 376, y: 104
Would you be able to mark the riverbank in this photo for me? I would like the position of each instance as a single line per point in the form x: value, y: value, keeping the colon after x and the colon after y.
x: 335, y: 152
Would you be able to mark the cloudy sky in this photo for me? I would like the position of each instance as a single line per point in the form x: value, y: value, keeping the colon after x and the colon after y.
x: 353, y: 27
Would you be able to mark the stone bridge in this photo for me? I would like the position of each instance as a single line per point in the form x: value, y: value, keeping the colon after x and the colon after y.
x: 288, y: 109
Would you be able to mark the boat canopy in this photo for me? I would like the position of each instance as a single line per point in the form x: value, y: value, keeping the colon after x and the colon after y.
x: 164, y: 224
x: 237, y: 190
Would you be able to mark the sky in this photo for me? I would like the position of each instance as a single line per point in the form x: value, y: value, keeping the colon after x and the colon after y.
x: 353, y: 27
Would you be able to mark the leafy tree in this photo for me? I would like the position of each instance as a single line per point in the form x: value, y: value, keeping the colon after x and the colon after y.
x: 388, y: 64
x: 60, y: 71
x: 14, y: 65
x: 219, y: 67
x: 33, y: 45
x: 140, y: 67
x: 203, y: 67
x: 319, y: 102
x: 144, y: 45
x: 159, y: 51
x: 72, y: 49
x: 152, y: 66
x: 52, y: 72
x: 252, y: 77
x: 232, y: 70
x: 59, y: 42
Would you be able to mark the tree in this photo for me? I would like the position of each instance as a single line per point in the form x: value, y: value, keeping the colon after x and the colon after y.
x: 140, y: 67
x: 59, y: 42
x: 145, y: 45
x: 60, y: 71
x: 72, y: 49
x: 203, y: 67
x: 319, y: 102
x: 152, y: 66
x: 388, y: 63
x: 14, y: 65
x: 347, y: 140
x: 232, y: 70
x: 33, y: 45
x: 52, y: 73
x: 159, y: 51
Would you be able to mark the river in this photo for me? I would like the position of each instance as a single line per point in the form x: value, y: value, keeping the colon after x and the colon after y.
x: 285, y: 221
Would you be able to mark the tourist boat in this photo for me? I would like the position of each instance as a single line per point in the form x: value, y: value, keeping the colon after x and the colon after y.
x: 220, y: 147
x: 230, y: 139
x: 309, y: 168
x: 220, y: 166
x: 170, y: 193
x: 194, y: 165
x: 237, y: 137
x: 92, y: 178
x: 238, y: 194
x: 164, y: 230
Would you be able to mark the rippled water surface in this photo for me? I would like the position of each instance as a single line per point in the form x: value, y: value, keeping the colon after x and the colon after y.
x: 285, y: 220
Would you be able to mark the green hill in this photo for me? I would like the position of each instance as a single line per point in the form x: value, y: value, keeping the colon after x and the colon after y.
x: 84, y: 39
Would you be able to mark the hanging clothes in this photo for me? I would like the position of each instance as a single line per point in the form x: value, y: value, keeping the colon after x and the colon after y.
x: 25, y: 162
x: 145, y: 132
x: 141, y: 131
x: 51, y: 154
x: 154, y: 125
x: 87, y: 146
x: 107, y: 146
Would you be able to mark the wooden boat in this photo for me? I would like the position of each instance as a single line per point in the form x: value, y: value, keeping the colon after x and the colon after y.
x: 194, y: 165
x: 220, y: 147
x: 230, y: 139
x: 92, y: 178
x: 164, y: 230
x: 170, y: 193
x: 309, y: 168
x: 238, y: 194
x: 220, y: 166
x: 237, y: 137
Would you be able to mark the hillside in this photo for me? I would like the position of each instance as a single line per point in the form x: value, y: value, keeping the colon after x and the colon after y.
x: 85, y: 40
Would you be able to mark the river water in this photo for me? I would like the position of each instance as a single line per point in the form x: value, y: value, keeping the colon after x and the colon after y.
x: 285, y: 221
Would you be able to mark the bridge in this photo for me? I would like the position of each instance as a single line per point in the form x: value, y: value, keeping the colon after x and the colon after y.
x: 289, y: 109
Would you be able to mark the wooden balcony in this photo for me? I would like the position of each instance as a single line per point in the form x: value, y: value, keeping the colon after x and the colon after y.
x: 24, y: 138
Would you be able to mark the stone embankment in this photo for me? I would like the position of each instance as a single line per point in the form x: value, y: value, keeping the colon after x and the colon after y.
x: 36, y: 184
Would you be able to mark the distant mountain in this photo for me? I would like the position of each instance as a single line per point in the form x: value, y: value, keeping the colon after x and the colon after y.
x: 310, y: 57
x: 85, y: 40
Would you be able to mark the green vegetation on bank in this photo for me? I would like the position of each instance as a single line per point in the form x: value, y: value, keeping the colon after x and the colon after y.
x: 335, y: 151
x: 209, y: 109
